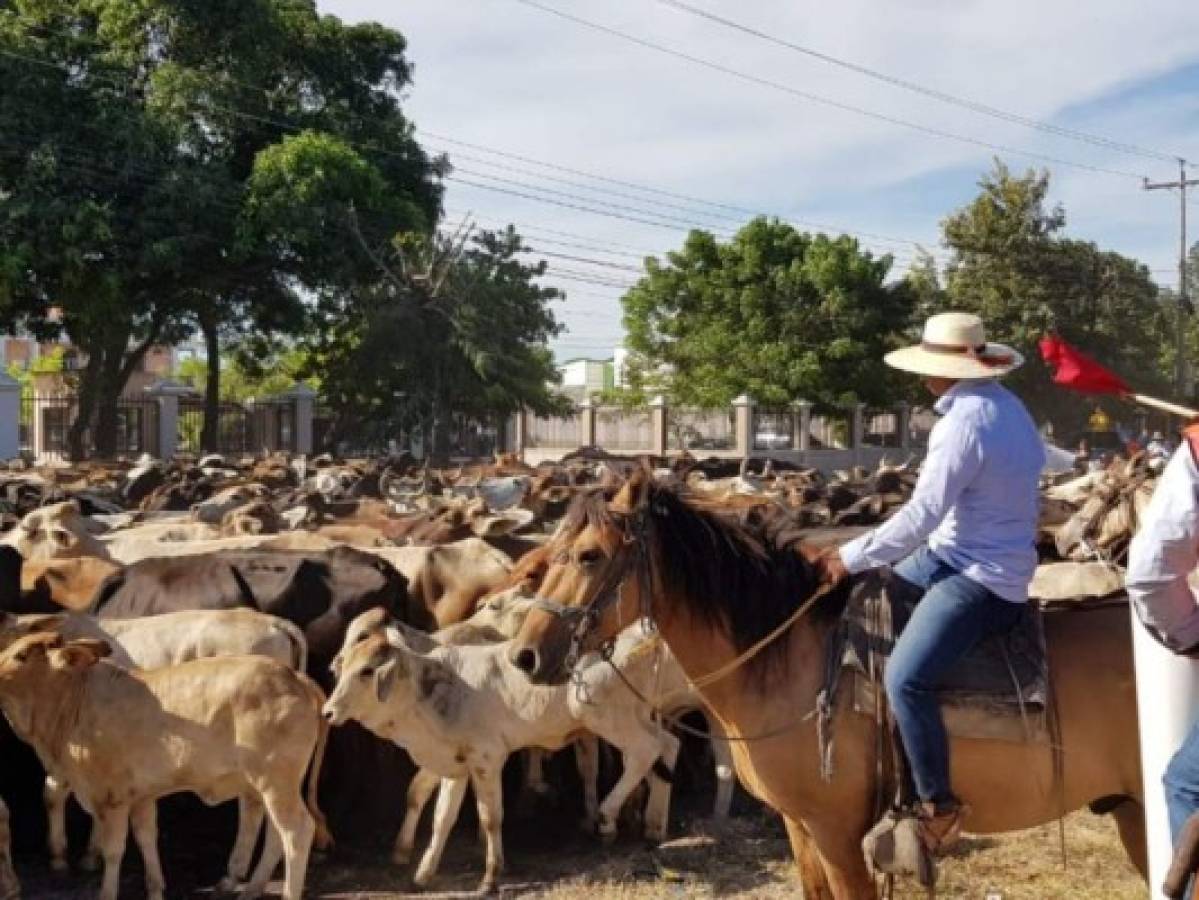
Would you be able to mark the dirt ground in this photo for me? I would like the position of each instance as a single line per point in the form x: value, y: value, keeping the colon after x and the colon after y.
x: 746, y: 858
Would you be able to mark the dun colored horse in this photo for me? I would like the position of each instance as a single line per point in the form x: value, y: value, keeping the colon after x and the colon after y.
x: 715, y: 589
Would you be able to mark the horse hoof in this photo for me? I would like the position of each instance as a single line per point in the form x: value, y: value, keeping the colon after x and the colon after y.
x: 251, y: 892
x: 227, y: 885
x: 422, y: 878
x: 89, y: 862
x: 58, y: 865
x: 401, y: 857
x: 607, y: 832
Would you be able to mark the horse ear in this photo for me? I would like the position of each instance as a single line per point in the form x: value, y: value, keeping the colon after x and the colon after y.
x: 635, y: 492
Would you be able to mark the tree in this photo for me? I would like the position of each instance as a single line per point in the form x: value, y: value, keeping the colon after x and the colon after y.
x: 452, y: 327
x: 168, y: 165
x: 774, y: 313
x: 244, y: 378
x: 1012, y: 266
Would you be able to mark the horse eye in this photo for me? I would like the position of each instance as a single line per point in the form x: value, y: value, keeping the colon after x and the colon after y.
x: 366, y: 673
x: 590, y: 557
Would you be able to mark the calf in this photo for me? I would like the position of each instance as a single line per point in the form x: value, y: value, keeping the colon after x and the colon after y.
x: 461, y: 710
x: 153, y: 642
x: 241, y: 727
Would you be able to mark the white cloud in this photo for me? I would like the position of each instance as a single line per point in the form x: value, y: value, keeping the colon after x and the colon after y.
x: 498, y: 73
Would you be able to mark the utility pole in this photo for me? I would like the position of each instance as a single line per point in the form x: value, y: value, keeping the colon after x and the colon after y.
x: 1184, y: 303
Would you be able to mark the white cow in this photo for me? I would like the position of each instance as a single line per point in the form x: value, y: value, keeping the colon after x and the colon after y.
x: 460, y: 711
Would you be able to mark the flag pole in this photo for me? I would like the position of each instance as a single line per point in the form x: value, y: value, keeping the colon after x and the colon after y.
x: 1185, y: 411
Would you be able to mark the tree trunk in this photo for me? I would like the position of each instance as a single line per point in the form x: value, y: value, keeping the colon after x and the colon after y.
x: 209, y: 434
x: 104, y: 438
x: 89, y: 384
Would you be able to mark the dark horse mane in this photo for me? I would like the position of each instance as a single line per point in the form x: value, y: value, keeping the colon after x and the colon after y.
x: 735, y: 577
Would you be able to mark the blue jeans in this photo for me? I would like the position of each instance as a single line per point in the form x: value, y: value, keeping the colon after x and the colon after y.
x: 1182, y: 783
x: 954, y: 614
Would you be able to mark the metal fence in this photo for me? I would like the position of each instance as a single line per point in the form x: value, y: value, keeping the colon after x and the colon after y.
x: 774, y: 429
x: 233, y: 436
x: 46, y: 420
x: 881, y: 429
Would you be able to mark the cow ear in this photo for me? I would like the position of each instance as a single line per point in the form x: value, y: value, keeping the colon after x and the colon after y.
x: 635, y: 492
x: 385, y: 678
x: 504, y: 523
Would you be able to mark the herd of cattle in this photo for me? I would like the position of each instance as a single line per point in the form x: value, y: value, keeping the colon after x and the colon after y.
x: 253, y: 630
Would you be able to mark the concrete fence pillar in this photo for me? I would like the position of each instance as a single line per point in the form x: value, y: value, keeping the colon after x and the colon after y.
x: 10, y: 416
x: 167, y: 393
x: 520, y: 433
x: 303, y: 400
x: 903, y: 421
x: 857, y: 432
x: 659, y: 421
x: 586, y: 413
x: 743, y: 425
x: 801, y: 421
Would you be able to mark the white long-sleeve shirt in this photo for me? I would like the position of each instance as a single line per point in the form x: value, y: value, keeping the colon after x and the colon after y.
x: 1165, y: 551
x: 976, y: 500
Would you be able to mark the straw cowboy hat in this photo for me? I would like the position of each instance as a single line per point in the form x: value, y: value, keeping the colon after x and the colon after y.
x: 954, y: 345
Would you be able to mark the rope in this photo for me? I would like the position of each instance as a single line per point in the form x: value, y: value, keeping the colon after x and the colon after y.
x: 727, y: 669
x: 744, y: 657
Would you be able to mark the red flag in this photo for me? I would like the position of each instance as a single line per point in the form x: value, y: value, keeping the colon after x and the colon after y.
x: 1076, y: 370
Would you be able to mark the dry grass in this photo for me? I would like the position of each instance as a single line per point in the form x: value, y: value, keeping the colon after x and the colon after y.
x: 748, y: 858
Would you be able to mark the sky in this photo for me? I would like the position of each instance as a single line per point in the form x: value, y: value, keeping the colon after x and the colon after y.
x: 602, y: 151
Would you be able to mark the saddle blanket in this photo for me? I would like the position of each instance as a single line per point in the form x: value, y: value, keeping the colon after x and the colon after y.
x: 998, y: 691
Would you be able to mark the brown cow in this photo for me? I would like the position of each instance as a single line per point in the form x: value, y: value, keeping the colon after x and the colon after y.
x: 243, y: 727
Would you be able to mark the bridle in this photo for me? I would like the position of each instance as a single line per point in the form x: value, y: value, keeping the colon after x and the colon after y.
x: 583, y: 619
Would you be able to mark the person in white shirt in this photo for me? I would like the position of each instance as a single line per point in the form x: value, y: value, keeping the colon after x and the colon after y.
x: 1164, y: 553
x: 966, y: 538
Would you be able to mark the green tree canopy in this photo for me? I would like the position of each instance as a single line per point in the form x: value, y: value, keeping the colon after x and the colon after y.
x: 450, y: 328
x: 167, y: 164
x: 1012, y: 266
x: 774, y: 312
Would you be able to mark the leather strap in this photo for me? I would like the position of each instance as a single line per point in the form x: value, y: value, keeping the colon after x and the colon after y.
x: 977, y: 353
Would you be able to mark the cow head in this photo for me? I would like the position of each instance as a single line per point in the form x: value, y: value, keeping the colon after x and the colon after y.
x: 53, y: 532
x: 374, y: 672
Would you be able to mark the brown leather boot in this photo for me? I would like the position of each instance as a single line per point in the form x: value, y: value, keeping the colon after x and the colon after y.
x: 941, y: 824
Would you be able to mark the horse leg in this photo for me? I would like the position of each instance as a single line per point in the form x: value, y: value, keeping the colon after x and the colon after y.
x: 1130, y: 822
x: 808, y: 866
x: 839, y: 846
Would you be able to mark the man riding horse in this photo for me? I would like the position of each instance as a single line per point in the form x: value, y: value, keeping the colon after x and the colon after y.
x: 966, y: 539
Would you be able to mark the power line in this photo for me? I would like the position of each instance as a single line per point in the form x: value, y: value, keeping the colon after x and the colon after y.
x: 698, y: 201
x: 287, y: 126
x: 741, y: 210
x: 817, y: 98
x: 895, y: 81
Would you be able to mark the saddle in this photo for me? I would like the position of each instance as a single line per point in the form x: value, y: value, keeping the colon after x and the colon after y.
x: 998, y: 691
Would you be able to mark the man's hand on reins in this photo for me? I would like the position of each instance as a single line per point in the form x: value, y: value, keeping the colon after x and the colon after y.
x: 832, y: 568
